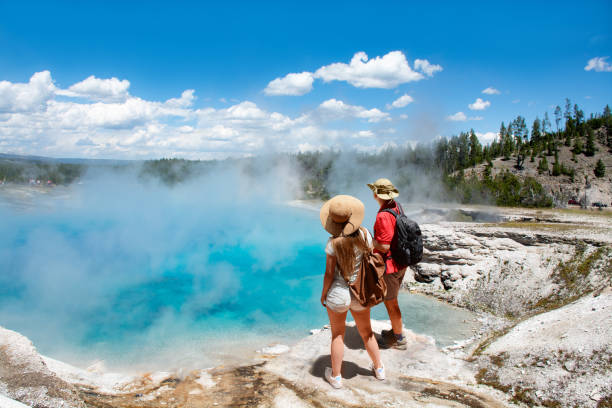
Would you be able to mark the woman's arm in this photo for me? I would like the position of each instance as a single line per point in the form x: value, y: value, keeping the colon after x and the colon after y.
x: 330, y: 268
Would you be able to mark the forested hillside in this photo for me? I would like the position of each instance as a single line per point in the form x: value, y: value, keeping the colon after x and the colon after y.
x: 554, y: 165
x: 538, y: 166
x: 548, y: 163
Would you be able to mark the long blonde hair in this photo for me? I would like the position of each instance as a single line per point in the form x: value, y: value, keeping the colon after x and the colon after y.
x: 344, y: 248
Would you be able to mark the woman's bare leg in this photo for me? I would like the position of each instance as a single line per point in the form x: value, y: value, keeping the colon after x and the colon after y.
x: 362, y: 319
x: 338, y: 325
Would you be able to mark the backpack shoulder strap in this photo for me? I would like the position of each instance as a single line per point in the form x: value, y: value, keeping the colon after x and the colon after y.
x: 401, y: 210
x: 390, y: 211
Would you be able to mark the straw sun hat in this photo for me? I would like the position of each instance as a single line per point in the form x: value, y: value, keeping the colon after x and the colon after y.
x: 384, y: 189
x: 342, y: 215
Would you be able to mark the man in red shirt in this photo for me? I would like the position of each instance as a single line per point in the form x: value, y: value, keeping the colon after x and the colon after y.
x: 384, y: 229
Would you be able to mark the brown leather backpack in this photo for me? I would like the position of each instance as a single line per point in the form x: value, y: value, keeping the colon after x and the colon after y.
x: 370, y: 288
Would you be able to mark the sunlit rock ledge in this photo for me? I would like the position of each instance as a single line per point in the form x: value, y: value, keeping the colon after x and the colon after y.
x: 422, y: 374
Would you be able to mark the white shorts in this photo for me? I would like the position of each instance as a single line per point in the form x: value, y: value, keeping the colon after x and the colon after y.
x: 339, y: 298
x: 354, y: 305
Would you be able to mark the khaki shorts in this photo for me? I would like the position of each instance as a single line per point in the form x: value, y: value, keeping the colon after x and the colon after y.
x: 394, y: 282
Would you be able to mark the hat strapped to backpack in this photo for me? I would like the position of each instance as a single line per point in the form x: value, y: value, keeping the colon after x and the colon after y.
x: 384, y: 189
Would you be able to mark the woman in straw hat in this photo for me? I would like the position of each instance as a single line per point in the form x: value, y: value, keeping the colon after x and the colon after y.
x: 341, y: 217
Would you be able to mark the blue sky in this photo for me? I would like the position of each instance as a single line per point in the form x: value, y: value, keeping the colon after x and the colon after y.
x: 196, y: 79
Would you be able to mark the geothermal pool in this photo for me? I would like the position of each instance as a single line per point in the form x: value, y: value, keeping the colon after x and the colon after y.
x: 144, y: 277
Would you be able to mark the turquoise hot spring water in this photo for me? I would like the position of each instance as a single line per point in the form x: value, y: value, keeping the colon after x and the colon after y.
x: 145, y: 277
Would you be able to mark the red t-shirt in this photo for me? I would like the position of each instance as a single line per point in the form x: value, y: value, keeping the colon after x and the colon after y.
x: 384, y: 228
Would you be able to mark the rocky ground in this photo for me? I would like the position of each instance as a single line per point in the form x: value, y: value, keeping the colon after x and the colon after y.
x: 540, y: 281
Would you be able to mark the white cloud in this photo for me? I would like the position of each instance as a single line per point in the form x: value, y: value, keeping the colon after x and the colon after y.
x: 457, y: 117
x: 461, y: 117
x: 490, y: 91
x: 386, y: 72
x: 516, y: 101
x: 336, y: 109
x: 403, y: 116
x: 486, y: 138
x: 401, y: 101
x: 36, y: 119
x: 377, y: 148
x: 185, y: 101
x: 244, y: 111
x: 291, y: 84
x: 27, y: 97
x: 364, y: 134
x: 425, y: 67
x: 85, y: 142
x: 479, y: 104
x: 97, y: 89
x: 598, y: 64
x: 186, y: 129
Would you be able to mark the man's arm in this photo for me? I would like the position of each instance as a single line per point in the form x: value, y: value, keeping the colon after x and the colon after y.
x: 383, y: 232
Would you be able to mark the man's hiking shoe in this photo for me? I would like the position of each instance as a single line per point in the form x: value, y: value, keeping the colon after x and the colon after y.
x: 393, y: 341
x: 400, y: 344
x: 335, y: 382
x: 379, y: 373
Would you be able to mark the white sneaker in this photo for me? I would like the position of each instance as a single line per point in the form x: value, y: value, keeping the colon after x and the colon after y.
x: 379, y: 373
x: 335, y: 382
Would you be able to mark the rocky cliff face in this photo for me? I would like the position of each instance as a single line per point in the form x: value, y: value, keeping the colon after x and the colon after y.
x: 548, y: 275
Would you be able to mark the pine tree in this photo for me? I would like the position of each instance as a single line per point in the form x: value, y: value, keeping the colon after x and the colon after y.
x: 600, y: 169
x: 590, y: 144
x: 507, y: 145
x: 475, y: 149
x: 568, y: 135
x: 487, y: 171
x: 578, y: 118
x: 577, y: 145
x: 536, y: 134
x: 464, y: 151
x: 552, y: 148
x: 569, y: 125
x: 568, y: 110
x: 556, y: 166
x: 558, y: 119
x: 545, y: 123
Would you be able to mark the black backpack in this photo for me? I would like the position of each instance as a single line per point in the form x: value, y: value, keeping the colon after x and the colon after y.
x: 407, y: 243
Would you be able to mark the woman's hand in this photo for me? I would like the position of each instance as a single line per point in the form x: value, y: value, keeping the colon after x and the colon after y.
x: 323, y: 298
